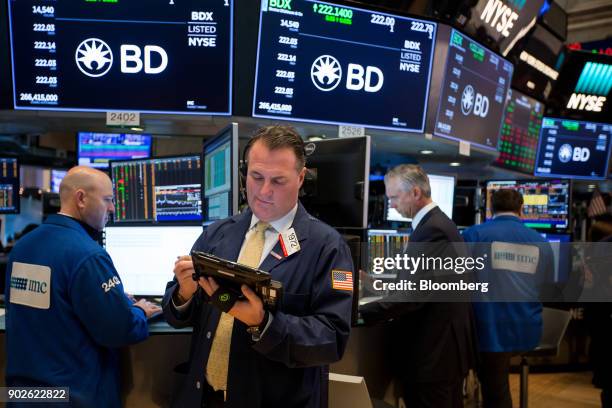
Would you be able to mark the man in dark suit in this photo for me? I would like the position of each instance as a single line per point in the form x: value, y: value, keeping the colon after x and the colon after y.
x: 434, y: 343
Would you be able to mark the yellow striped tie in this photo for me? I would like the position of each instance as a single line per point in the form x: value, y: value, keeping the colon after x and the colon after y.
x: 218, y: 359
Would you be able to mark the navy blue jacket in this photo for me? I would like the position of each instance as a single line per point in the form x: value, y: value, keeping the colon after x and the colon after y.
x: 71, y: 341
x: 509, y: 326
x: 288, y: 366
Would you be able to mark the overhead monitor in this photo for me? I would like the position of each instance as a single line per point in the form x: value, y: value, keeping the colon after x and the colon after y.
x: 576, y: 149
x: 9, y: 185
x: 220, y: 187
x: 583, y: 89
x: 329, y: 63
x: 57, y: 176
x: 336, y: 188
x: 442, y: 193
x: 546, y: 203
x: 144, y: 256
x: 473, y: 95
x: 97, y: 149
x: 165, y: 189
x: 518, y: 138
x: 162, y: 57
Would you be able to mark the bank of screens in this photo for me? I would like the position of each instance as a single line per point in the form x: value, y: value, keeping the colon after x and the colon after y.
x: 385, y: 243
x: 144, y: 256
x: 56, y: 179
x: 518, y: 137
x: 168, y: 56
x: 473, y: 94
x: 546, y: 203
x: 9, y: 185
x: 575, y: 149
x: 328, y: 63
x: 97, y: 149
x: 158, y: 190
x: 220, y: 189
x: 442, y: 193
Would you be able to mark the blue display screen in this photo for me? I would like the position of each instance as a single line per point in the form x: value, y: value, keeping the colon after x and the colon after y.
x: 576, y: 149
x: 473, y: 93
x: 167, y: 56
x: 97, y: 149
x: 9, y: 185
x: 334, y: 64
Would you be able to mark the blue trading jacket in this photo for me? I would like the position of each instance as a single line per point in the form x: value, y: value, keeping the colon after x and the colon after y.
x: 509, y: 326
x: 67, y: 314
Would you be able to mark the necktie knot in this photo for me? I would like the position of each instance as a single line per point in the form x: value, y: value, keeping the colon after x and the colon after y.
x: 261, y: 227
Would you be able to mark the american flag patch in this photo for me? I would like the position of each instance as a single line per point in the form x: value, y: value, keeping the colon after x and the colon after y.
x: 342, y: 280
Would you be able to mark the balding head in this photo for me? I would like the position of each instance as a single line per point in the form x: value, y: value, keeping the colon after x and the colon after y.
x: 87, y: 195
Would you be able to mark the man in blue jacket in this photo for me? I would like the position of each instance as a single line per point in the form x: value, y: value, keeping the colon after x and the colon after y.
x: 66, y: 310
x: 518, y: 262
x: 241, y: 354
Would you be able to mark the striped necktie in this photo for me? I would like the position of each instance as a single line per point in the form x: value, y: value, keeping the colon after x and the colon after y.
x: 218, y: 359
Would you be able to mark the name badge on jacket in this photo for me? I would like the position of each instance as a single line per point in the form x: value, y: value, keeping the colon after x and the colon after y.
x: 289, y: 242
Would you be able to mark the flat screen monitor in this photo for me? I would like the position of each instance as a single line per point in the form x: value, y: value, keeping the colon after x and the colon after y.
x: 56, y: 179
x: 162, y: 57
x: 97, y: 149
x: 560, y: 245
x: 329, y: 63
x: 164, y: 189
x: 473, y: 94
x: 442, y: 193
x: 546, y: 203
x: 518, y: 138
x: 144, y: 256
x: 9, y: 185
x: 220, y: 174
x: 385, y: 243
x: 576, y: 149
x: 336, y: 188
x: 583, y: 89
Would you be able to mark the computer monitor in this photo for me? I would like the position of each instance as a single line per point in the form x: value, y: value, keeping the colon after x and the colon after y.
x: 546, y: 203
x: 220, y: 174
x: 163, y: 189
x: 97, y: 149
x: 560, y: 244
x: 144, y: 255
x: 576, y: 149
x: 9, y: 185
x: 337, y: 183
x: 442, y: 193
x: 56, y: 178
x: 385, y: 243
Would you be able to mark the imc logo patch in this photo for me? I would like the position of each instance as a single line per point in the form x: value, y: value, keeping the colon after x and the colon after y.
x: 31, y: 285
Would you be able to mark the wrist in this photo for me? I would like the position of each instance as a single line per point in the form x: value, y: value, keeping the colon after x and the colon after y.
x: 180, y: 297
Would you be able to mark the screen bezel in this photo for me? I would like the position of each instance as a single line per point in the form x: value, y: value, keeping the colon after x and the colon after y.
x: 232, y: 129
x: 145, y: 223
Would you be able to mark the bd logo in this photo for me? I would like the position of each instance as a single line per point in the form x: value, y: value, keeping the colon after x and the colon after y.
x: 472, y: 99
x: 94, y: 58
x: 326, y: 75
x: 578, y: 154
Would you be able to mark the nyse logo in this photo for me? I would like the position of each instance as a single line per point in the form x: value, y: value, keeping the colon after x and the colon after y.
x: 94, y: 58
x: 470, y: 99
x: 591, y: 103
x: 577, y: 154
x: 326, y: 75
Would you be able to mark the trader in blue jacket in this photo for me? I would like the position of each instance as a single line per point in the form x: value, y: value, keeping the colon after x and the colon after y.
x: 66, y: 311
x: 519, y: 262
x: 241, y: 354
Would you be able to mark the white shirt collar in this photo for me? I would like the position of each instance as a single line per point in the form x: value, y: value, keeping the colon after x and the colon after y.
x: 421, y: 213
x: 280, y: 225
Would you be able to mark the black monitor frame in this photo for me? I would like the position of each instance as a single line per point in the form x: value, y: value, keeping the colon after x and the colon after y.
x: 232, y: 129
x: 145, y: 223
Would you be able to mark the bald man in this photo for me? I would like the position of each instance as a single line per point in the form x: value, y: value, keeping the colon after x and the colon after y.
x: 66, y: 311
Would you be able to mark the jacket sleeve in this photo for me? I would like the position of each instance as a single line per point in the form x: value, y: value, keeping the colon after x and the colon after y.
x: 100, y: 303
x: 320, y: 337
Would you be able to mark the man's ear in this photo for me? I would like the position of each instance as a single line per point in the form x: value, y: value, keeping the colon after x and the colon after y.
x: 80, y: 198
x: 302, y: 175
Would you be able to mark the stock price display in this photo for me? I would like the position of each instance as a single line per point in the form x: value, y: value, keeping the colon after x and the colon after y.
x: 473, y: 93
x: 170, y: 56
x: 326, y: 63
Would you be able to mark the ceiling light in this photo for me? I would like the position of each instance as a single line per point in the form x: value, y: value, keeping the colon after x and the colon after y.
x: 455, y: 164
x: 426, y: 152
